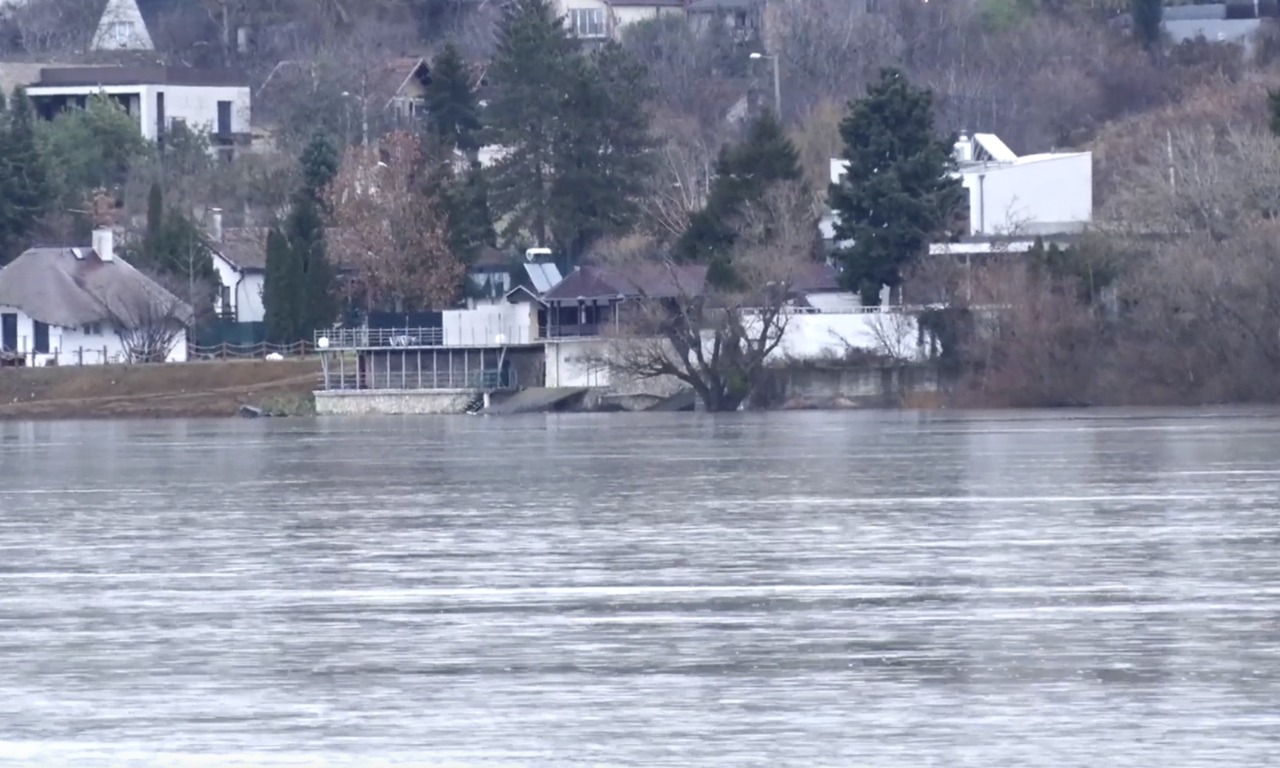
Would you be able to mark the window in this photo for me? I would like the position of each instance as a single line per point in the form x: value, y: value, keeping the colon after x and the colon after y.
x: 587, y: 22
x: 224, y: 296
x: 224, y: 118
x: 92, y: 329
x: 41, y: 332
x: 120, y: 33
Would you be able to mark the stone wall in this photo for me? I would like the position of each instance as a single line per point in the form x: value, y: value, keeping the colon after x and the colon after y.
x: 369, y: 402
x: 817, y: 386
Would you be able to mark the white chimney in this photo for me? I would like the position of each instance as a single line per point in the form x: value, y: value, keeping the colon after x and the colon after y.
x: 104, y: 244
x: 217, y: 225
x: 964, y: 148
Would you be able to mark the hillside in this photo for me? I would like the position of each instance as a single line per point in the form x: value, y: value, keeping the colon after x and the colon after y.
x: 200, y: 389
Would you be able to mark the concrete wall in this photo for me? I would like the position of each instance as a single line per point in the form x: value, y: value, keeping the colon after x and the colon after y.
x: 1039, y: 194
x: 869, y: 387
x: 391, y: 402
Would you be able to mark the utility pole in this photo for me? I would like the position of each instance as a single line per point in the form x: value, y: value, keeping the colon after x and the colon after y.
x: 777, y: 82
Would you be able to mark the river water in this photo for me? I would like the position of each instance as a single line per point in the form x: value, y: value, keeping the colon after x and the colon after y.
x: 773, y: 590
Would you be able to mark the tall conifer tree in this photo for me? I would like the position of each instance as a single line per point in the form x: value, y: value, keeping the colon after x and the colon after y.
x: 898, y: 193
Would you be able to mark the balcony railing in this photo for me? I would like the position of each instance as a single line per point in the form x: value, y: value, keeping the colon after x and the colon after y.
x: 420, y: 338
x: 570, y: 331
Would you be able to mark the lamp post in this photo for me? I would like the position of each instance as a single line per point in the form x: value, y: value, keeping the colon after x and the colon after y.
x: 777, y: 82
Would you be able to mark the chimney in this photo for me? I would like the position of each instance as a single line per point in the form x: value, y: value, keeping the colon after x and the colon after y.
x: 217, y: 225
x: 104, y: 244
x: 963, y: 151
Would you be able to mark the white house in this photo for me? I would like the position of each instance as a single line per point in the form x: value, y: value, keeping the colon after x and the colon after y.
x: 240, y: 259
x: 216, y: 101
x: 121, y: 28
x: 1050, y: 193
x: 87, y: 306
x: 605, y: 19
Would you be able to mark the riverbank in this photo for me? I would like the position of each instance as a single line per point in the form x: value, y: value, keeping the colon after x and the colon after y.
x: 184, y: 390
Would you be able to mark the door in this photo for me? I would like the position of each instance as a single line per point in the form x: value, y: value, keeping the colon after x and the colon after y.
x: 224, y: 118
x: 40, y: 332
x: 160, y: 123
x: 9, y: 332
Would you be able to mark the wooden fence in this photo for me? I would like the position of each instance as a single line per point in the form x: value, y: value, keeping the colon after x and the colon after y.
x: 228, y: 351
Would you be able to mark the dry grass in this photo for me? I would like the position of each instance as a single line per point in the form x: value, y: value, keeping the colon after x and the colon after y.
x: 196, y: 389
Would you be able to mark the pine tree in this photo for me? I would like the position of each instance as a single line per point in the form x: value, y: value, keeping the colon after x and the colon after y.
x: 298, y: 289
x: 453, y: 117
x: 529, y: 73
x: 280, y: 290
x: 25, y: 193
x: 1147, y: 15
x: 470, y: 221
x: 898, y: 193
x: 603, y: 157
x: 744, y: 172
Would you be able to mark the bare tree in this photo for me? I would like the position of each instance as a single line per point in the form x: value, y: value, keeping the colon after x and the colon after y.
x: 717, y: 339
x: 390, y: 228
x: 149, y: 321
x: 685, y: 162
x: 54, y: 27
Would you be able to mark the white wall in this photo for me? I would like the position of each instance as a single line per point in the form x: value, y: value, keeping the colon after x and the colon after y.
x: 569, y: 362
x: 483, y: 325
x: 76, y: 346
x: 197, y: 106
x: 1037, y: 195
x: 576, y: 362
x: 623, y: 16
x: 246, y: 291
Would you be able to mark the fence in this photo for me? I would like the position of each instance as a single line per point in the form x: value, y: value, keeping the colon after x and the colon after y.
x: 373, y: 377
x: 229, y: 351
x: 413, y: 338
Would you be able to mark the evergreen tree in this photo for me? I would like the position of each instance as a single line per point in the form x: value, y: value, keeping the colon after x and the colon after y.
x: 176, y: 246
x: 298, y: 288
x: 25, y: 193
x: 526, y: 114
x: 744, y: 172
x: 1147, y: 15
x: 603, y: 155
x: 1273, y: 110
x: 279, y: 290
x: 453, y: 117
x: 470, y: 222
x: 897, y: 194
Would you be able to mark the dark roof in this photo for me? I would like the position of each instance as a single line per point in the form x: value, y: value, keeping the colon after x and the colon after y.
x: 71, y: 287
x: 245, y: 247
x: 657, y: 281
x: 817, y: 278
x: 138, y: 75
x: 708, y: 6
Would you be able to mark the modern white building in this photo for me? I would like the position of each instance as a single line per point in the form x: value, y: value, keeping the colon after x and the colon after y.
x: 87, y: 306
x: 216, y: 101
x: 605, y: 19
x: 1013, y: 196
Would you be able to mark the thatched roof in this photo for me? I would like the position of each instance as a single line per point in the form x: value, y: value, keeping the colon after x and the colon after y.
x: 72, y: 287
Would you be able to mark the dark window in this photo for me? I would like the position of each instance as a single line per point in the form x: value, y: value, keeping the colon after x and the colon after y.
x: 41, y: 332
x: 159, y: 114
x: 9, y: 332
x: 224, y: 118
x: 227, y: 309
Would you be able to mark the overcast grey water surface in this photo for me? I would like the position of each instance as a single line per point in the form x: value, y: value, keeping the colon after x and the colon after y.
x: 802, y: 590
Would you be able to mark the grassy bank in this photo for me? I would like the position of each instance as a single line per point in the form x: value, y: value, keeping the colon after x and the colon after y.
x: 186, y: 390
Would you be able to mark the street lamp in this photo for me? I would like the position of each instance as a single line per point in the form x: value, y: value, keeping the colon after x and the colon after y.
x: 777, y: 82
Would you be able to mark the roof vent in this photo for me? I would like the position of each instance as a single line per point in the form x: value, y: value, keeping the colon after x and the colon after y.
x: 78, y: 253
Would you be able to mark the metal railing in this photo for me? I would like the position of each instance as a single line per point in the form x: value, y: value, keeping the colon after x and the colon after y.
x: 418, y: 338
x: 570, y: 331
x: 403, y: 380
